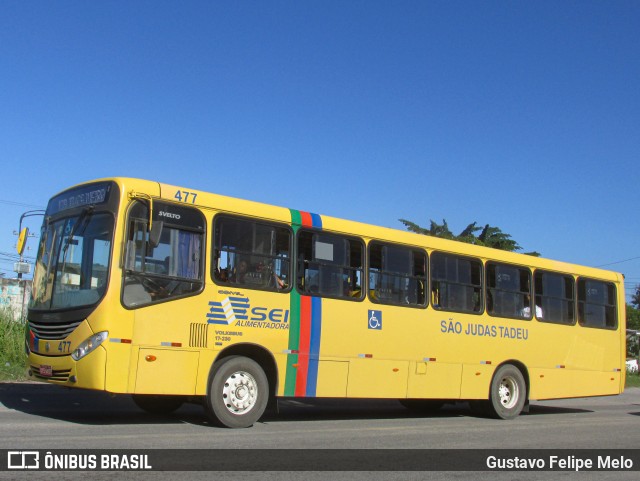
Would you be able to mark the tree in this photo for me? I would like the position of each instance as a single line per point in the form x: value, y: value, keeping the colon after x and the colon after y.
x: 489, y: 236
x: 435, y: 230
x: 633, y: 318
x: 633, y: 323
x: 635, y: 298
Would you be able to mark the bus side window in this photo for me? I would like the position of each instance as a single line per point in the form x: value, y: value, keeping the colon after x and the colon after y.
x: 554, y: 297
x: 166, y: 270
x: 597, y: 304
x: 329, y: 265
x: 508, y: 291
x: 397, y: 275
x: 251, y: 254
x: 456, y: 283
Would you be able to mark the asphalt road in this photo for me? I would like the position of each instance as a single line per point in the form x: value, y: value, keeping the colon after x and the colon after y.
x: 40, y: 416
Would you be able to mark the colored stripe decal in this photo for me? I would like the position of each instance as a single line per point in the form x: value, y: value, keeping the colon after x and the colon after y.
x: 305, y: 328
x: 294, y: 334
x: 306, y: 219
x: 314, y: 345
x: 296, y: 219
x: 305, y: 339
x: 33, y: 341
x: 316, y: 221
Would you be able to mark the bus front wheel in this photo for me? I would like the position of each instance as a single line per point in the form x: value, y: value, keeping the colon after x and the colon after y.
x: 508, y: 393
x: 238, y: 392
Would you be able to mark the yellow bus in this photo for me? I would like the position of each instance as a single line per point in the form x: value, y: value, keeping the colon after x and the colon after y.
x: 169, y: 294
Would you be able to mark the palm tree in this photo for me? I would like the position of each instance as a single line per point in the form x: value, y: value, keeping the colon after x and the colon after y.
x: 489, y: 237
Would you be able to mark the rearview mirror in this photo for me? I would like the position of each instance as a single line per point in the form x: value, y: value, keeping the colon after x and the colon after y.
x: 155, y: 234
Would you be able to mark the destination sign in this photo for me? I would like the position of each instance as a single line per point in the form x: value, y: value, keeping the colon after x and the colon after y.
x: 93, y: 194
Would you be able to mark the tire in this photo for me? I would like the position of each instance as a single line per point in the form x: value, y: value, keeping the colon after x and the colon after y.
x: 508, y: 393
x: 157, y: 404
x: 238, y: 392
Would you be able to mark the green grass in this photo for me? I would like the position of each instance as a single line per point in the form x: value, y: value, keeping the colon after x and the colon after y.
x: 633, y: 380
x: 13, y: 362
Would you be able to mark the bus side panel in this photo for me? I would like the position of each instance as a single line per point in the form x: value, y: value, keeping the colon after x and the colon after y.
x: 166, y: 371
x: 377, y: 378
x: 207, y: 358
x: 476, y: 381
x: 622, y: 339
x: 93, y: 373
x: 593, y: 349
x: 118, y: 366
x: 377, y: 353
x: 555, y: 383
x: 438, y: 380
x: 332, y: 378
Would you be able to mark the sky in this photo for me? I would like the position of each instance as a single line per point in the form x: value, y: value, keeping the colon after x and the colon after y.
x: 522, y: 115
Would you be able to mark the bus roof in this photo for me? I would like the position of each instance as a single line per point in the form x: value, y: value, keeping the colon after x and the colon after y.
x: 232, y: 205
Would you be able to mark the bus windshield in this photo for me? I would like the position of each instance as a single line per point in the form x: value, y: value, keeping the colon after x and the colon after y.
x: 73, y: 261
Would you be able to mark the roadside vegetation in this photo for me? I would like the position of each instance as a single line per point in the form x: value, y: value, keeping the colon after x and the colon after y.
x: 633, y: 380
x: 633, y: 340
x: 13, y: 362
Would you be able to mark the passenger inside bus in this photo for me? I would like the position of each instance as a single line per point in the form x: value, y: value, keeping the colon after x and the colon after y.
x: 526, y: 310
x: 240, y: 272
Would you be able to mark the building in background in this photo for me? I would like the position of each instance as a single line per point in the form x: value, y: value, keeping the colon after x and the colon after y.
x: 14, y: 296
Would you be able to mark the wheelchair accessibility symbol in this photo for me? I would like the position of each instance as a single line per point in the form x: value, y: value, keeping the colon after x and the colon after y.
x: 375, y: 319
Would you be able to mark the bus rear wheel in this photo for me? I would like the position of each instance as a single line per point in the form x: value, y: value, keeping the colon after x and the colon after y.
x: 238, y: 392
x: 508, y: 393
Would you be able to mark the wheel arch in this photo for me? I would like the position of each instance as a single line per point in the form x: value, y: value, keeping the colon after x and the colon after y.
x: 257, y: 353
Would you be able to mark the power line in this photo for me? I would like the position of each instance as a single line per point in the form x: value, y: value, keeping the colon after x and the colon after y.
x: 618, y: 262
x: 14, y: 257
x: 20, y: 204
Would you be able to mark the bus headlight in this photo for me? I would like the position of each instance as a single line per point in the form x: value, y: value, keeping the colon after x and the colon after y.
x: 89, y: 345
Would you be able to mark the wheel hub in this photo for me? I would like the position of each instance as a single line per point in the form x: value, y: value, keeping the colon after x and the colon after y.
x: 240, y: 392
x: 508, y: 392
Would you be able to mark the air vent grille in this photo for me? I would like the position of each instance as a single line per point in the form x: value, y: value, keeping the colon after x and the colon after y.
x: 198, y: 335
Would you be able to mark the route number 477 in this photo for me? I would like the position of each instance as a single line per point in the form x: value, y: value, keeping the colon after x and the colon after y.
x: 185, y: 196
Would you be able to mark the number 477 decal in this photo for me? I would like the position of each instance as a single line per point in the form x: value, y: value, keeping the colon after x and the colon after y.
x: 186, y: 197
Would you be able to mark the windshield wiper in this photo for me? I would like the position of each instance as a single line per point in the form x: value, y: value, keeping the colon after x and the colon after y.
x: 81, y: 218
x: 80, y: 222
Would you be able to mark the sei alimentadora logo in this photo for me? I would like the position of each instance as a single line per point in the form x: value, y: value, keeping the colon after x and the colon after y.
x: 235, y: 309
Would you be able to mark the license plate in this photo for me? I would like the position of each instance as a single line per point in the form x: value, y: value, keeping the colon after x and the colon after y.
x: 46, y: 371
